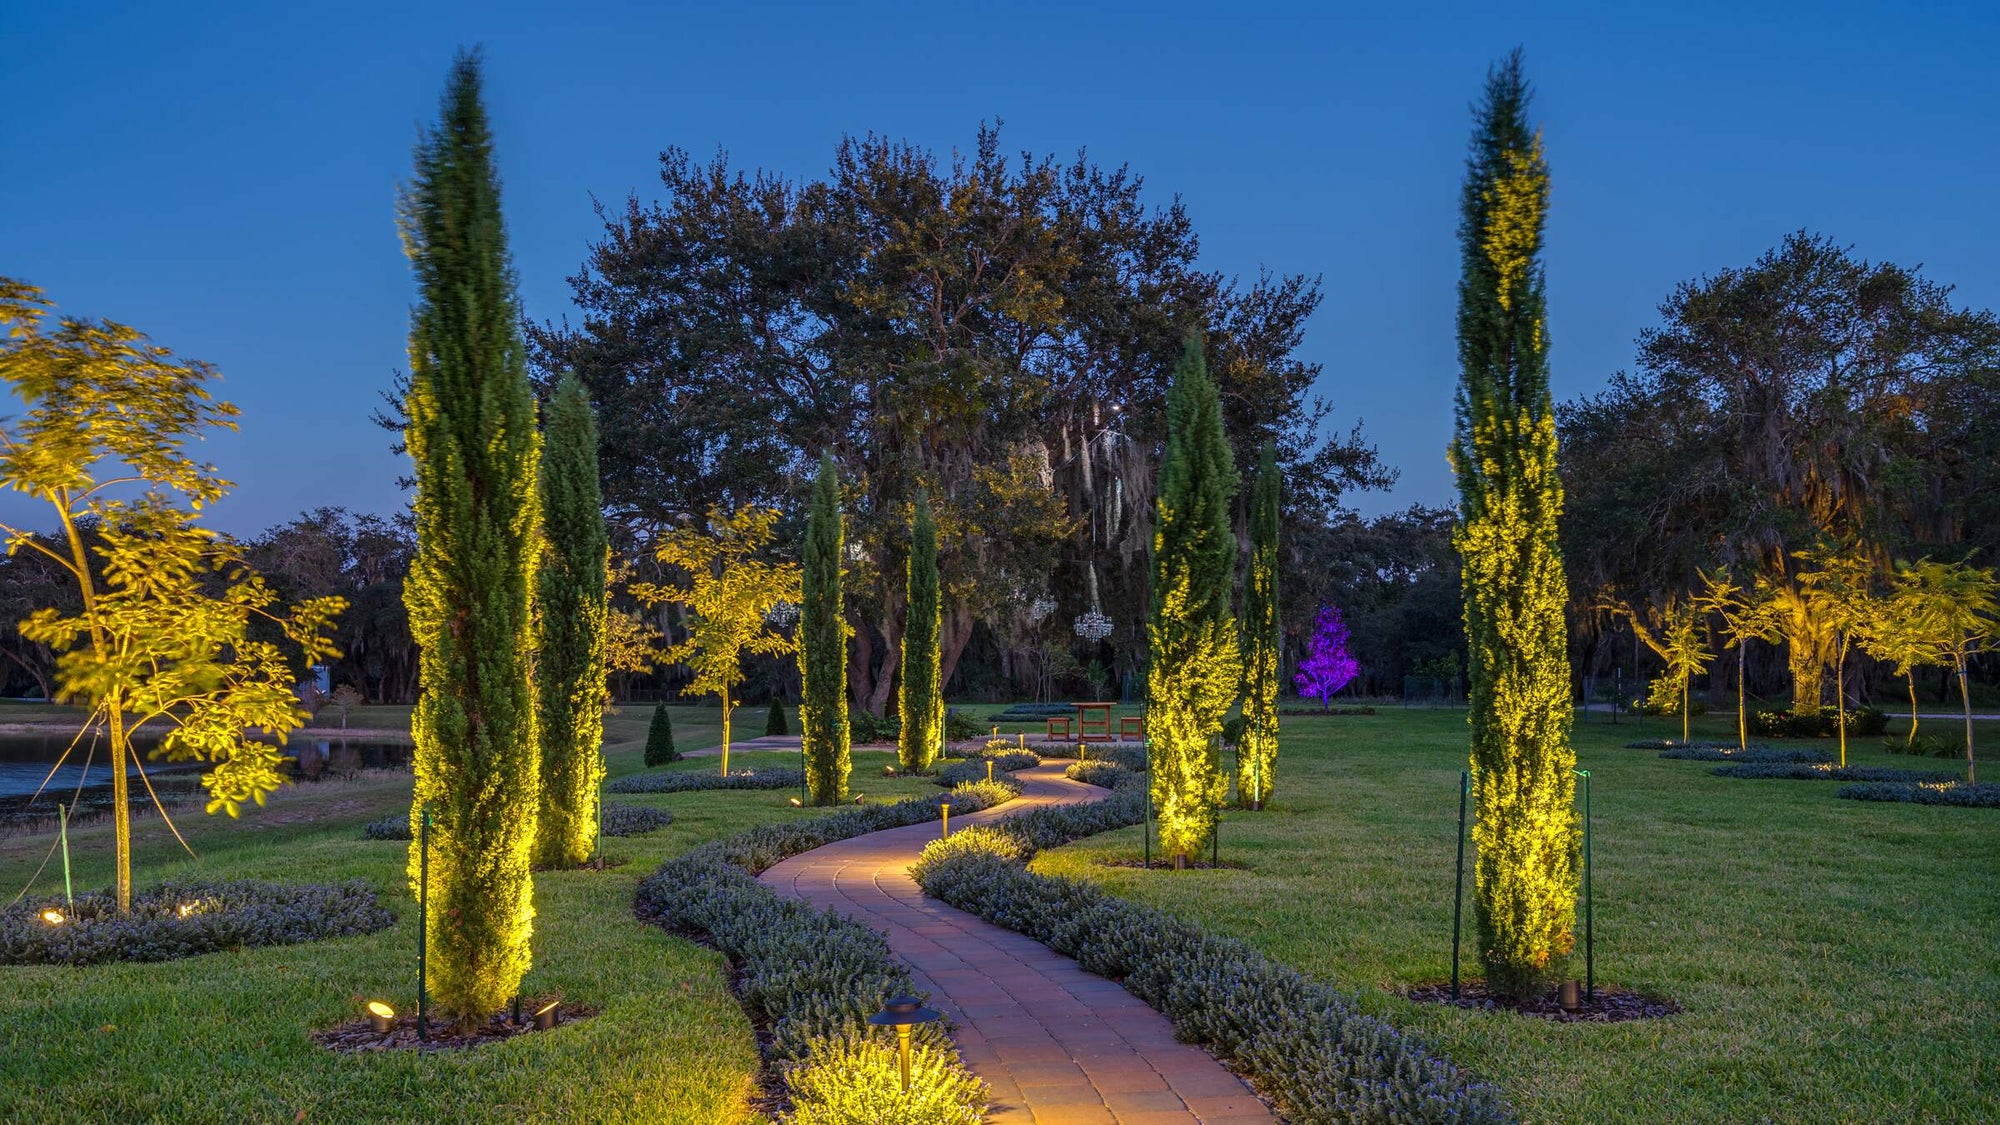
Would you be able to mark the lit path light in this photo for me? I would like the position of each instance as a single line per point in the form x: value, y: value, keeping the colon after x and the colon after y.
x: 904, y: 1013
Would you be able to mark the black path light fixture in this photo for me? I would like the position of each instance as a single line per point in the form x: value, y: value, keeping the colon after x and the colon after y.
x: 904, y: 1013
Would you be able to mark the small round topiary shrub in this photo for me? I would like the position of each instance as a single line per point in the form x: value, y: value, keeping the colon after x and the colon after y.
x: 175, y: 920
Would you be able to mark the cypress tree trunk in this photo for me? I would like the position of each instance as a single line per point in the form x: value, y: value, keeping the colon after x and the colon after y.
x: 823, y: 646
x: 472, y: 437
x: 1195, y: 668
x: 1504, y: 455
x: 1257, y: 750
x: 571, y: 609
x: 922, y: 700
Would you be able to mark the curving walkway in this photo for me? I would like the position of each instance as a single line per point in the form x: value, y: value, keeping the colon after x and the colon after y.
x: 1057, y: 1045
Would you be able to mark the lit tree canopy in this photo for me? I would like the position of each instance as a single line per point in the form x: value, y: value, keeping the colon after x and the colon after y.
x: 1328, y: 665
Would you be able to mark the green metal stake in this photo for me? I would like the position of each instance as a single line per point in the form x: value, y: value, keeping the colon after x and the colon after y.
x: 1146, y: 821
x: 423, y: 925
x: 1589, y: 928
x: 62, y: 815
x: 1458, y: 879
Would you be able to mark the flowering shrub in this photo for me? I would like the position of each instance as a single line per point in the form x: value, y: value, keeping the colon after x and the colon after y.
x: 685, y: 781
x: 1862, y: 722
x: 974, y: 769
x: 812, y: 976
x: 1826, y: 771
x: 1304, y: 1044
x: 1756, y: 753
x: 1926, y: 793
x: 175, y: 920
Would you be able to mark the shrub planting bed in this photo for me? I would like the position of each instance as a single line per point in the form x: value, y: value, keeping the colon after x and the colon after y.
x: 1764, y: 755
x: 619, y: 820
x: 1031, y: 712
x: 810, y: 978
x: 1305, y: 1045
x: 688, y: 781
x: 1804, y: 771
x: 1928, y: 746
x: 175, y: 920
x: 1862, y: 722
x: 1967, y: 796
x: 974, y: 769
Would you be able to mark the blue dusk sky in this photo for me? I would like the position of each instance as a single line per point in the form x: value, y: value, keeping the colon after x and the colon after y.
x: 224, y: 176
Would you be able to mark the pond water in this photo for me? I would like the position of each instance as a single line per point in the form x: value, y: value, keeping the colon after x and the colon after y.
x: 25, y: 761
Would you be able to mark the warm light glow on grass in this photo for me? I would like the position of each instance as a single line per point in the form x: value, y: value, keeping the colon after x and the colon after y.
x: 53, y: 917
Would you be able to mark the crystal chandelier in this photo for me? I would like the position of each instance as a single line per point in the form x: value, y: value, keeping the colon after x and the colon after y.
x: 783, y: 614
x: 1093, y: 626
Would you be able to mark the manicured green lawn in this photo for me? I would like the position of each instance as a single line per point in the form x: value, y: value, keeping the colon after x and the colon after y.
x: 223, y: 1037
x: 1836, y: 960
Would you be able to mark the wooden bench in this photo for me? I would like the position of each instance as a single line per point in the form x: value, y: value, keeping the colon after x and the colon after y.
x: 1054, y: 733
x: 1131, y: 726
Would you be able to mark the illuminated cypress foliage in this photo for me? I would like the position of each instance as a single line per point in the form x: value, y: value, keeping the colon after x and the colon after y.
x: 921, y: 703
x: 571, y: 610
x: 823, y: 646
x: 1257, y: 749
x: 1504, y: 455
x: 472, y: 437
x: 1194, y: 668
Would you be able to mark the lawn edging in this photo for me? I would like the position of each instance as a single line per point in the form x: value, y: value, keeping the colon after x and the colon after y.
x: 810, y: 978
x: 1303, y: 1044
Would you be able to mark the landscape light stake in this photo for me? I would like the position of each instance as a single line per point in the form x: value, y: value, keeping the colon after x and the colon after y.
x: 423, y: 924
x: 944, y: 811
x: 1458, y: 879
x: 1146, y: 821
x: 1589, y: 935
x: 989, y: 769
x: 62, y: 815
x: 903, y: 1013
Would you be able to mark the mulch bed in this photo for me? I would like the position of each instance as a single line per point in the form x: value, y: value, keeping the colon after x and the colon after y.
x: 1611, y: 1005
x: 358, y: 1036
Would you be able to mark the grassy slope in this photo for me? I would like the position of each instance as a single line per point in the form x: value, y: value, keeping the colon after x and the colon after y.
x: 1836, y: 959
x: 223, y: 1037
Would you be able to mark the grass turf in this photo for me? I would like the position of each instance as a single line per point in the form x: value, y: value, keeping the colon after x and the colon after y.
x: 223, y: 1036
x: 1832, y: 966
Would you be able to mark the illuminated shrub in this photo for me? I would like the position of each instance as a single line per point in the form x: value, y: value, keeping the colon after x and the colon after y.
x: 857, y: 1080
x: 1823, y: 722
x: 186, y: 919
x: 920, y: 688
x: 974, y: 769
x: 823, y: 645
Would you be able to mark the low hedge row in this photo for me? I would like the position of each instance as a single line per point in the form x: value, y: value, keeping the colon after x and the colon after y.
x: 812, y: 977
x: 1804, y: 771
x: 1862, y: 722
x: 619, y: 820
x: 1677, y: 744
x: 1968, y: 796
x: 686, y: 781
x: 175, y: 920
x: 1765, y: 755
x: 1303, y: 1043
x: 974, y: 769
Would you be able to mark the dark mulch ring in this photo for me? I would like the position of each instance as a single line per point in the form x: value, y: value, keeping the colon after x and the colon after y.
x: 1159, y: 864
x: 358, y: 1036
x: 1610, y: 1005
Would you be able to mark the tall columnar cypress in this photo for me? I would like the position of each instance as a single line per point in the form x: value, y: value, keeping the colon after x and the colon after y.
x: 823, y: 645
x: 571, y: 611
x: 1195, y: 668
x: 1257, y: 749
x: 1504, y: 455
x: 472, y: 437
x: 921, y: 703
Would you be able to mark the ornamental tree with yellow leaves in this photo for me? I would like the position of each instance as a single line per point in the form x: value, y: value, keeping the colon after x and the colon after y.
x: 1194, y: 667
x: 729, y: 593
x: 1504, y: 456
x: 164, y: 636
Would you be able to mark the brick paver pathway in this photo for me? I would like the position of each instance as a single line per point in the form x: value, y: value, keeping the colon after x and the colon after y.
x: 1057, y: 1045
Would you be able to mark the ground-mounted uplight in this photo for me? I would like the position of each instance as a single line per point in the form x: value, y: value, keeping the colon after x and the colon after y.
x: 1566, y: 996
x: 188, y: 909
x: 53, y: 917
x: 858, y: 796
x: 797, y: 804
x: 545, y: 1016
x: 381, y: 1017
x: 904, y: 1013
x: 888, y: 771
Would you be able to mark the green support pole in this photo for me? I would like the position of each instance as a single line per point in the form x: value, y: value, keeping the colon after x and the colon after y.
x: 1458, y: 879
x: 1589, y: 929
x: 423, y: 925
x: 1146, y: 821
x: 69, y: 900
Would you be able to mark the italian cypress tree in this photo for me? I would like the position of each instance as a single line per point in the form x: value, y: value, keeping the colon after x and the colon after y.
x: 471, y: 434
x: 1504, y: 455
x: 571, y: 608
x: 922, y: 702
x: 823, y: 646
x: 660, y: 738
x: 1194, y: 669
x: 774, y: 719
x: 1257, y: 749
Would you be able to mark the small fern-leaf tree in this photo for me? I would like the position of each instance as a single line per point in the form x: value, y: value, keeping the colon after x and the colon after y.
x: 921, y: 703
x: 571, y: 610
x: 470, y: 592
x: 1504, y: 456
x: 823, y: 646
x: 1257, y: 749
x: 1194, y: 668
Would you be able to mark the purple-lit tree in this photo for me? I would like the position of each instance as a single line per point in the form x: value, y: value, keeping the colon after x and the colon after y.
x: 1328, y: 666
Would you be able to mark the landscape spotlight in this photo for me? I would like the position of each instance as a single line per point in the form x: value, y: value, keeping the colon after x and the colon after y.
x: 545, y: 1016
x: 904, y: 1013
x: 858, y: 796
x: 188, y: 908
x: 796, y: 803
x: 381, y: 1017
x: 53, y: 917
